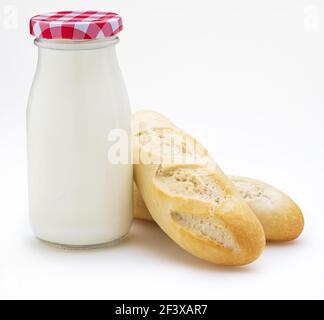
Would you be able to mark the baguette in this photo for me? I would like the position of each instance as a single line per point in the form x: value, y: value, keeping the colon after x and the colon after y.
x: 189, y: 196
x: 280, y: 216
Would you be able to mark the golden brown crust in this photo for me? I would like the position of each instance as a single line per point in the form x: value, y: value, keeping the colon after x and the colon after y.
x: 280, y: 216
x: 233, y: 213
x: 139, y: 207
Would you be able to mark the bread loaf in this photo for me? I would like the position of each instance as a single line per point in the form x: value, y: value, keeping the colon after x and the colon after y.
x: 281, y: 218
x: 189, y: 196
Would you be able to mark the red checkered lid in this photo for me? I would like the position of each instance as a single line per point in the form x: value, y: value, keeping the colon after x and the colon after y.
x: 76, y: 25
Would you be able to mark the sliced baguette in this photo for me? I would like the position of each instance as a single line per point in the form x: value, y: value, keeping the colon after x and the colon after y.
x: 192, y: 201
x: 280, y: 216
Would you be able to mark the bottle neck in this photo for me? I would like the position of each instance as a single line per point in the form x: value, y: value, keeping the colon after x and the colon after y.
x: 76, y: 45
x: 76, y: 56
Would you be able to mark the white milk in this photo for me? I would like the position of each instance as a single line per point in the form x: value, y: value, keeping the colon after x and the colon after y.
x: 77, y: 197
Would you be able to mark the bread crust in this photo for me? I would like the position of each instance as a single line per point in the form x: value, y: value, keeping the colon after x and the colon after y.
x: 233, y: 215
x: 280, y: 216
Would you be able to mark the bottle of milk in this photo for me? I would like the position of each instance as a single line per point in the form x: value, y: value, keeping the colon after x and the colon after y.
x: 77, y: 197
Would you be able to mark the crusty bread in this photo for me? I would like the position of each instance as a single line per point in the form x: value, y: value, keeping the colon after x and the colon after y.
x: 280, y: 216
x: 140, y: 210
x: 189, y: 196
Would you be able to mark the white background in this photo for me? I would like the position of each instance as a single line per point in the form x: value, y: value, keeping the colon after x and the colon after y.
x: 245, y: 77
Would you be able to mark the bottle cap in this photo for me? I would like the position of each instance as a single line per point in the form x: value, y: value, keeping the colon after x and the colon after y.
x: 76, y: 25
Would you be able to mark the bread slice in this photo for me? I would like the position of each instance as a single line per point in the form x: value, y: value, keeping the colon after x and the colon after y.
x: 189, y: 196
x: 280, y: 216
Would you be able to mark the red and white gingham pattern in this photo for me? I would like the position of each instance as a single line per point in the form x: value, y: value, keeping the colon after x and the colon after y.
x: 76, y: 25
